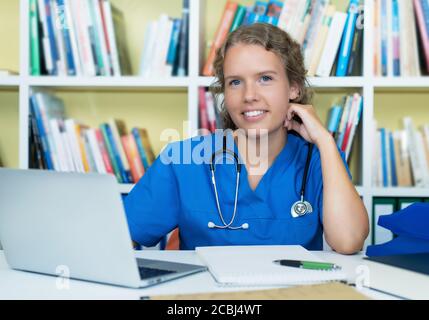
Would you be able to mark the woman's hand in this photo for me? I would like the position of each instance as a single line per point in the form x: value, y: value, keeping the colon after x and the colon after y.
x: 311, y: 128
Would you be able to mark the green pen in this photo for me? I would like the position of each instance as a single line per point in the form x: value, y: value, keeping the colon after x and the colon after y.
x: 311, y: 265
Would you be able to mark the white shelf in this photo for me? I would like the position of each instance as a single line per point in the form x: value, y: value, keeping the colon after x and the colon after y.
x: 401, y: 192
x: 9, y: 81
x: 108, y: 82
x: 337, y: 82
x: 401, y: 82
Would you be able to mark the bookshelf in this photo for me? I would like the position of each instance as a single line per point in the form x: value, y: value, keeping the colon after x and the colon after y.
x: 204, y: 17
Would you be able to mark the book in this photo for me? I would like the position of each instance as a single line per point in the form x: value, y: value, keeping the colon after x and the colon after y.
x: 410, y: 269
x: 103, y: 151
x: 121, y: 40
x: 392, y: 160
x: 111, y: 40
x: 113, y: 155
x: 253, y: 265
x: 45, y: 10
x: 332, y: 44
x: 220, y: 36
x: 418, y: 170
x: 314, y: 29
x: 118, y: 130
x: 422, y: 13
x: 354, y: 125
x: 71, y: 26
x: 64, y: 31
x: 78, y: 10
x: 334, y: 119
x: 320, y: 40
x: 142, y: 137
x: 58, y: 22
x: 34, y: 40
x: 131, y: 151
x: 70, y: 127
x: 403, y: 168
x: 238, y: 18
x: 354, y: 67
x: 409, y: 62
x: 346, y: 42
x: 148, y: 48
x: 182, y: 56
x: 174, y: 44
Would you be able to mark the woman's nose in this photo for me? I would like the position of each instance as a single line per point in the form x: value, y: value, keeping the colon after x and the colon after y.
x: 250, y: 93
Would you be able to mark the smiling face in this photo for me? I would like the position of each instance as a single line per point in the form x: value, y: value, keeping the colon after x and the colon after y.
x: 257, y: 90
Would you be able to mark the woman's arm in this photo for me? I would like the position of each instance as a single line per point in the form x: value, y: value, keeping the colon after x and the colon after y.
x: 345, y: 219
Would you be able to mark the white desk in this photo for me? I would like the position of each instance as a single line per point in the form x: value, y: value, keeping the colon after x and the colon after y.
x: 25, y: 285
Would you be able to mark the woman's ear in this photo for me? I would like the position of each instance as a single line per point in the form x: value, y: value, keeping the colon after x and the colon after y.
x: 293, y: 93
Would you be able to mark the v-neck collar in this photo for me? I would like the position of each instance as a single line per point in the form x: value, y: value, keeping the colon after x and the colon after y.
x: 283, y: 159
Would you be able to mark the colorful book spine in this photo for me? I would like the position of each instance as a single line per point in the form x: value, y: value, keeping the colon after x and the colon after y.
x: 71, y: 26
x: 118, y: 130
x: 396, y: 39
x: 355, y: 62
x: 110, y: 32
x: 334, y: 119
x: 34, y: 40
x: 182, y: 64
x: 384, y: 38
x: 108, y: 140
x: 384, y: 157
x: 103, y: 150
x: 42, y: 132
x: 65, y: 33
x: 238, y: 18
x: 347, y: 39
x: 131, y: 152
x: 98, y: 38
x: 420, y: 8
x: 80, y: 133
x: 221, y: 34
x: 174, y: 42
x: 140, y: 147
x: 51, y: 34
x: 392, y: 161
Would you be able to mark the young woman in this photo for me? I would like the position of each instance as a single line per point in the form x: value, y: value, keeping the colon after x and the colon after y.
x: 301, y: 187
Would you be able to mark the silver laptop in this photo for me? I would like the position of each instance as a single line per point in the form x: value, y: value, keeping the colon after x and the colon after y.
x: 74, y: 223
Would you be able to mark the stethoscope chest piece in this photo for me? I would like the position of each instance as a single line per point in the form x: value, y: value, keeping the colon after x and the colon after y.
x: 301, y: 208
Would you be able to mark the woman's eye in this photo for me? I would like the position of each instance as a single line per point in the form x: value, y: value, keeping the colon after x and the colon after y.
x: 266, y: 78
x: 234, y: 82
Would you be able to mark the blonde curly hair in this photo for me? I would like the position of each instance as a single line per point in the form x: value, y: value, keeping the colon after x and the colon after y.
x: 272, y: 39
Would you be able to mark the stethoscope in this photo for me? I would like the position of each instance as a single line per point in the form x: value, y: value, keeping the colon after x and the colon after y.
x: 298, y: 209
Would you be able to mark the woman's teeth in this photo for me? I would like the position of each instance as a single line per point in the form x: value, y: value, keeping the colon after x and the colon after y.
x: 254, y: 113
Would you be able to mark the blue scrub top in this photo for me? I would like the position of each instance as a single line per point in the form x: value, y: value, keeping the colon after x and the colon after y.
x: 180, y: 194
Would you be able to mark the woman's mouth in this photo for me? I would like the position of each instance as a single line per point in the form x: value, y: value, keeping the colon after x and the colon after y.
x: 254, y: 115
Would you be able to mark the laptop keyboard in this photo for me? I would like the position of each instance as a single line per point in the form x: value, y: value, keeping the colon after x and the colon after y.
x: 146, y: 272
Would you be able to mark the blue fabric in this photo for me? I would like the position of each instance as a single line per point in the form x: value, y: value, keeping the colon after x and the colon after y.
x: 413, y: 221
x: 181, y: 195
x: 411, y: 225
x: 398, y: 245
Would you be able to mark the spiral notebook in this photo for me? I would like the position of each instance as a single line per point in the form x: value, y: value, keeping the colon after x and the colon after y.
x: 254, y: 266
